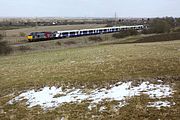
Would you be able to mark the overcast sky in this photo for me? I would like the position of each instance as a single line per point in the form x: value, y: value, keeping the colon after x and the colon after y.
x: 89, y: 8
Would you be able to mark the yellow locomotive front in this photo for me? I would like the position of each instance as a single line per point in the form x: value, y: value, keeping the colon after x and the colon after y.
x: 30, y: 38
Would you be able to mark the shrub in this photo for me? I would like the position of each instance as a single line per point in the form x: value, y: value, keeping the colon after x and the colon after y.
x: 160, y: 37
x: 109, y: 25
x: 125, y: 33
x: 159, y: 25
x: 69, y: 42
x: 132, y: 32
x: 176, y: 30
x: 21, y: 34
x: 146, y: 31
x: 24, y: 48
x: 4, y: 47
x: 95, y: 39
x: 1, y: 36
x: 58, y: 43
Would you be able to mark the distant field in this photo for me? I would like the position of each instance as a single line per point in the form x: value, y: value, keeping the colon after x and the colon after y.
x: 92, y: 67
x: 11, y: 27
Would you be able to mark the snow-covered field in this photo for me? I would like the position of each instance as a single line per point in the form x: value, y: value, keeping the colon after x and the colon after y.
x: 52, y: 97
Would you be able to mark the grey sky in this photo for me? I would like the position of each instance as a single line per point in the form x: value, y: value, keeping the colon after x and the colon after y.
x: 89, y: 8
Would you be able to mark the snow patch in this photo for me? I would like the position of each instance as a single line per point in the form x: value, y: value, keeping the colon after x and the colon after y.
x: 91, y: 106
x: 102, y: 109
x: 159, y: 104
x: 159, y: 81
x: 52, y: 97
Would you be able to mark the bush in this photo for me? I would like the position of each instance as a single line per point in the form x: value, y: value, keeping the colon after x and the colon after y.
x: 24, y: 48
x: 159, y: 25
x: 132, y: 32
x: 176, y: 30
x: 160, y: 37
x: 58, y: 43
x: 146, y: 31
x: 95, y: 39
x: 4, y: 47
x: 125, y: 33
x: 1, y: 36
x: 70, y: 42
x: 109, y: 25
x: 21, y: 34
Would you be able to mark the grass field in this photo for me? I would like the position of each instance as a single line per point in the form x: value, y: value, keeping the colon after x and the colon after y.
x: 92, y: 67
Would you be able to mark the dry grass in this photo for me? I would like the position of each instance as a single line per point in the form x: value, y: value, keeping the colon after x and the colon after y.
x: 63, y: 43
x: 90, y: 64
x: 90, y: 67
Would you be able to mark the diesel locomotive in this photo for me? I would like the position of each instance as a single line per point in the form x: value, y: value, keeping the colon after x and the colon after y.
x: 35, y: 36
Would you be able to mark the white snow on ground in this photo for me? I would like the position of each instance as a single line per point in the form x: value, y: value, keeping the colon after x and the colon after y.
x: 102, y: 109
x: 159, y: 104
x: 52, y: 97
x: 91, y: 106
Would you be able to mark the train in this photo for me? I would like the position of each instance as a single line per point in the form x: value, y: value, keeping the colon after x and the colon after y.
x: 38, y: 36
